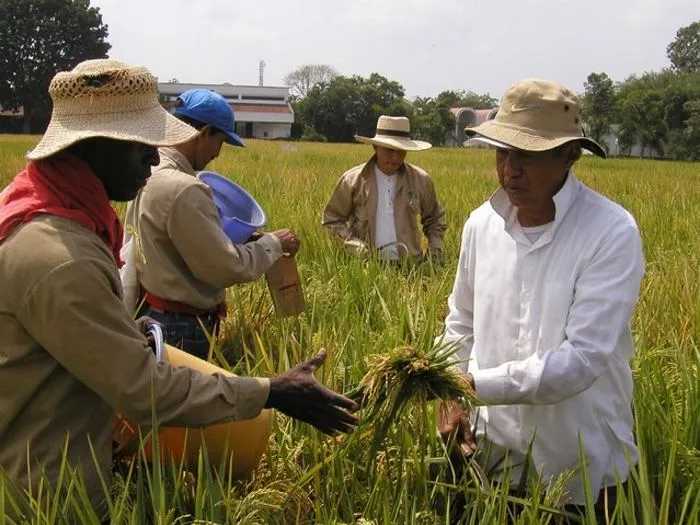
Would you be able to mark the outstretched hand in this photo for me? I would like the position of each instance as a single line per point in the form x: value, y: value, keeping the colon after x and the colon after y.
x: 298, y: 394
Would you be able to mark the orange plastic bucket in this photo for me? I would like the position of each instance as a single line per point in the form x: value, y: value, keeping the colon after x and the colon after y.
x: 240, y: 444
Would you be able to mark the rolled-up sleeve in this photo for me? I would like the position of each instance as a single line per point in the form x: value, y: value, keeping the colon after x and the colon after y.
x: 194, y: 228
x: 75, y: 315
x: 605, y: 296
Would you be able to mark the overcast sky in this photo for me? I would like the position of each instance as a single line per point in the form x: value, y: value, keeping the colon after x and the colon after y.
x: 426, y: 45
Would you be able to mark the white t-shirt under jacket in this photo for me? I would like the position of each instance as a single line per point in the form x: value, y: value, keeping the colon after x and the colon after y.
x: 385, y: 235
x: 545, y: 326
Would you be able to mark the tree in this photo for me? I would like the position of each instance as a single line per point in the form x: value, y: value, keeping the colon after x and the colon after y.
x: 434, y: 125
x: 38, y: 38
x: 449, y: 98
x: 598, y: 105
x: 660, y: 110
x: 303, y: 78
x: 433, y: 120
x: 684, y: 51
x: 465, y: 99
x: 642, y: 110
x: 684, y: 143
x: 682, y: 116
x: 473, y: 100
x: 346, y: 106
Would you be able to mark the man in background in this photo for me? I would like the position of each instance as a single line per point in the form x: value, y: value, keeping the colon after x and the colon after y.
x: 376, y: 206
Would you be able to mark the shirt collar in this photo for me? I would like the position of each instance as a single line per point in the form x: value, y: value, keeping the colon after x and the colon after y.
x: 172, y: 158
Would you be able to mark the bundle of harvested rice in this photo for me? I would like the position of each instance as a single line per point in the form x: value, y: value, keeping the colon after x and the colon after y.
x: 406, y: 377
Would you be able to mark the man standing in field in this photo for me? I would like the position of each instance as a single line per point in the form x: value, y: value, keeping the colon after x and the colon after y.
x: 70, y: 353
x: 182, y: 262
x: 547, y: 282
x: 376, y: 205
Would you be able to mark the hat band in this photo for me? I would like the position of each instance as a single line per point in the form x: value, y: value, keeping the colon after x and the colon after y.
x: 393, y: 133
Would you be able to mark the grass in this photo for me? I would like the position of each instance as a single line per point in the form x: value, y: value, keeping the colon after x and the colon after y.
x: 356, y: 310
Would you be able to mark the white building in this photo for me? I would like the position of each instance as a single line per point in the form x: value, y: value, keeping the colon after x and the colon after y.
x: 261, y: 111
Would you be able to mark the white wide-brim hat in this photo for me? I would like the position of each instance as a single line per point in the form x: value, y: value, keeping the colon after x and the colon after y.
x: 107, y: 98
x: 394, y: 133
x: 535, y: 115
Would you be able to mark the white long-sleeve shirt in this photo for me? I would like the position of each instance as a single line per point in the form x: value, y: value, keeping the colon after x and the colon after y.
x: 545, y: 327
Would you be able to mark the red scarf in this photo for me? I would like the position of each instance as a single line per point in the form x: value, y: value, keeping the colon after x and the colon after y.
x: 63, y: 186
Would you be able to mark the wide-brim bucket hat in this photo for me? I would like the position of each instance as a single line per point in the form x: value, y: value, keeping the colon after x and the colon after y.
x: 394, y: 133
x: 107, y: 98
x: 536, y: 115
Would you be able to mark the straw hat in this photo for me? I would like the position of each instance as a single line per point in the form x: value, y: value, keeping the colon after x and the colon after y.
x: 535, y: 115
x: 106, y: 98
x: 394, y: 133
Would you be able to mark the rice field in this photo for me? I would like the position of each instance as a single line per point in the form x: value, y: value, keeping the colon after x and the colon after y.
x: 357, y: 310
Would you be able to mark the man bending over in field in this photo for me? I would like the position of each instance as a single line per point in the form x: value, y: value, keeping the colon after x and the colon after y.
x: 547, y: 281
x: 70, y: 353
x: 183, y: 260
x: 376, y: 205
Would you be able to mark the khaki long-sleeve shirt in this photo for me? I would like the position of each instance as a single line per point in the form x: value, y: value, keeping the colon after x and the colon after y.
x: 182, y: 254
x: 70, y: 355
x: 351, y: 210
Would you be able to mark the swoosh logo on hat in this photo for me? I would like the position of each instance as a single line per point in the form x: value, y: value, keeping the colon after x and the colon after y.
x: 518, y: 109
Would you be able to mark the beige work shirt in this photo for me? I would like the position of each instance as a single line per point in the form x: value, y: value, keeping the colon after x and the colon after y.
x: 351, y: 211
x: 182, y: 254
x: 70, y: 355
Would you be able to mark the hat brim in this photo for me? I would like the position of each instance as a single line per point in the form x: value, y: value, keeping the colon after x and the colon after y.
x: 153, y: 126
x: 518, y: 139
x: 405, y: 144
x: 233, y: 139
x: 483, y: 141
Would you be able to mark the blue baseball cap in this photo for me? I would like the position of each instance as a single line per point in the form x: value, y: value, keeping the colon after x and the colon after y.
x: 208, y: 107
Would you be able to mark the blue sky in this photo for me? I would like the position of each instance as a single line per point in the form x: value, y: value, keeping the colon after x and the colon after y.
x: 426, y: 45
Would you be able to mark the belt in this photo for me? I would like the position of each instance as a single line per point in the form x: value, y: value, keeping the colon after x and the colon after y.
x: 175, y: 307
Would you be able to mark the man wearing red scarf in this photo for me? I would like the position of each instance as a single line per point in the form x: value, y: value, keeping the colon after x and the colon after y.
x: 70, y: 353
x: 61, y: 186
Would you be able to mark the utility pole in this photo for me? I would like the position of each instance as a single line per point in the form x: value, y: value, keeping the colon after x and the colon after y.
x: 261, y: 69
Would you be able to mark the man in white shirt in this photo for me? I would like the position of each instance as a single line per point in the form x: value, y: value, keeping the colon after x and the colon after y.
x: 376, y: 205
x: 546, y: 285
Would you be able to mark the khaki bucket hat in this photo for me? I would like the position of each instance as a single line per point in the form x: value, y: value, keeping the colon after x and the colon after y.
x: 106, y: 98
x: 394, y: 133
x: 535, y: 115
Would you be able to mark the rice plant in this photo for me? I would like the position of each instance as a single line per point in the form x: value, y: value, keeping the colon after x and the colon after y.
x: 379, y: 325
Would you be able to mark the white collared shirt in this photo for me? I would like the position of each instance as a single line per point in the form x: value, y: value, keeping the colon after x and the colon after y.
x: 546, y: 329
x: 385, y: 234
